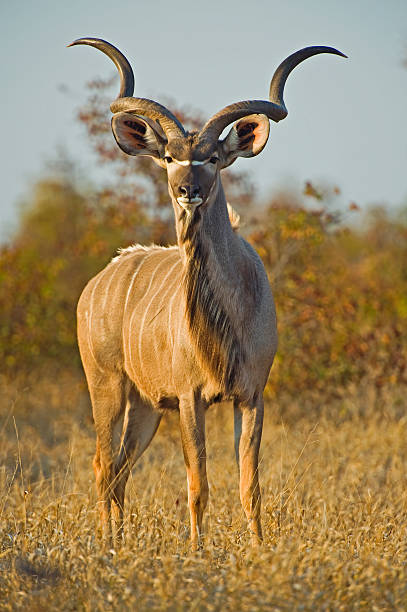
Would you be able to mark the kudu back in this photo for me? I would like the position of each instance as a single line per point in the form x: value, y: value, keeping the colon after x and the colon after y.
x: 186, y: 326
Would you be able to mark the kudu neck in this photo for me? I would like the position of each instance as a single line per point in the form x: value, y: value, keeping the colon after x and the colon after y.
x: 212, y: 259
x: 213, y: 227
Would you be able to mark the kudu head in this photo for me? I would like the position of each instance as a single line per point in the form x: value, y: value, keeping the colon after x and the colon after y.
x: 193, y: 160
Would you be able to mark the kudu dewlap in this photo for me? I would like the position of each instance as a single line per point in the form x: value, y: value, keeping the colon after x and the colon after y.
x: 186, y: 326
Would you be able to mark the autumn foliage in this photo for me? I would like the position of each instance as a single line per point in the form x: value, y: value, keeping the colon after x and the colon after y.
x: 340, y: 285
x: 341, y: 298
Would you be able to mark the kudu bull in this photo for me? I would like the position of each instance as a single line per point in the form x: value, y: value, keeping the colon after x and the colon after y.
x: 189, y: 325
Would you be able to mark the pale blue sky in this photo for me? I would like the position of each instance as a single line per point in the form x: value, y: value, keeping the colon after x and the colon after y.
x: 346, y: 122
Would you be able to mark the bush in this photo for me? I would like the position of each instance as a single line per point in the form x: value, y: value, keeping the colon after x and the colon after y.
x: 341, y: 298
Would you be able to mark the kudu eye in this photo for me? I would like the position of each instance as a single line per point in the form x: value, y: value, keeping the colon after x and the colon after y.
x: 168, y: 159
x: 213, y: 160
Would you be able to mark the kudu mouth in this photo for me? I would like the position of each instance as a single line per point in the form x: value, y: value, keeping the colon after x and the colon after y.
x: 189, y: 204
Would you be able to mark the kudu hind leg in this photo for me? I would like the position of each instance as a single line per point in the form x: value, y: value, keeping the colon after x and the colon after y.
x: 248, y: 430
x: 108, y: 401
x: 140, y: 424
x: 192, y: 423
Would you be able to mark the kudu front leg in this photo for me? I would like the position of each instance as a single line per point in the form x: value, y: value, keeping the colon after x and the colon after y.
x: 248, y: 430
x: 192, y: 423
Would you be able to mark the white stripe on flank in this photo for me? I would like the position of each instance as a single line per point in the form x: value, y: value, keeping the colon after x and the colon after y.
x: 91, y: 345
x: 178, y: 332
x: 129, y: 344
x: 109, y: 284
x: 149, y: 305
x: 133, y: 278
x: 135, y: 310
x: 170, y: 329
x: 164, y: 303
x: 89, y: 320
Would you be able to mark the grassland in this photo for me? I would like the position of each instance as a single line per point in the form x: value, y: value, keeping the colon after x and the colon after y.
x: 334, y: 511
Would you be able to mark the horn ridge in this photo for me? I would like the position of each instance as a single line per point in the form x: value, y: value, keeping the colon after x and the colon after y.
x: 152, y: 109
x: 120, y: 61
x: 125, y: 102
x: 285, y: 68
x: 275, y: 108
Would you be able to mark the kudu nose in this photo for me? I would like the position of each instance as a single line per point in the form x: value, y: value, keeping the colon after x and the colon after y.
x: 189, y: 191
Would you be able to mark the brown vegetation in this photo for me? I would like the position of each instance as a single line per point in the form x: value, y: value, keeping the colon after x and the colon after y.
x: 334, y: 513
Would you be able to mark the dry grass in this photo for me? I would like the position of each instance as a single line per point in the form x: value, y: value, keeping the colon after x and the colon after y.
x: 334, y: 513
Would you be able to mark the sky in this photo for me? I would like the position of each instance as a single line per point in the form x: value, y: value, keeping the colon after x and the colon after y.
x: 346, y: 124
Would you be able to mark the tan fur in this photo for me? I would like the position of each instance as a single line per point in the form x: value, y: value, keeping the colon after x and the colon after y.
x: 179, y: 328
x: 190, y: 325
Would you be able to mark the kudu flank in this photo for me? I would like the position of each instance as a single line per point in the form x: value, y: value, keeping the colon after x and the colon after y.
x: 185, y: 326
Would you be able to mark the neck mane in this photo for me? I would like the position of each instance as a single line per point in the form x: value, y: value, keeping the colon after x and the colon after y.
x: 220, y: 290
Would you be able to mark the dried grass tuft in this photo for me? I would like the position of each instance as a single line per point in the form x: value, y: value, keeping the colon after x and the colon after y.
x: 334, y: 513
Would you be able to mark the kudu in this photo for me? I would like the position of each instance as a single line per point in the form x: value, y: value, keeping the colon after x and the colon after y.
x: 189, y: 325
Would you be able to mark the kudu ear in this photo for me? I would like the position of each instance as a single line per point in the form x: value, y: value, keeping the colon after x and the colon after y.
x: 247, y: 138
x: 137, y: 135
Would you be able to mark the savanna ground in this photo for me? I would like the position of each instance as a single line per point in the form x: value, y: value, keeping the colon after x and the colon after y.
x: 334, y: 511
